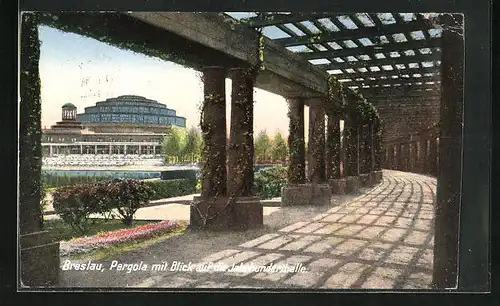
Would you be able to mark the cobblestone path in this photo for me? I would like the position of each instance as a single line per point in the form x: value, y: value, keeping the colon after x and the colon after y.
x: 380, y: 239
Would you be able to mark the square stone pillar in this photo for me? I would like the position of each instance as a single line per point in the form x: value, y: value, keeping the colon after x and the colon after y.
x: 247, y: 211
x: 449, y: 158
x: 39, y: 256
x: 212, y: 209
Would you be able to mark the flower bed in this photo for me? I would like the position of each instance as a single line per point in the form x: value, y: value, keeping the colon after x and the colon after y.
x: 85, y: 244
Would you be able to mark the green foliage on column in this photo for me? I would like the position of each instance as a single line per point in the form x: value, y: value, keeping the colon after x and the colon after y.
x: 213, y: 128
x: 241, y: 146
x: 296, y: 143
x: 30, y: 141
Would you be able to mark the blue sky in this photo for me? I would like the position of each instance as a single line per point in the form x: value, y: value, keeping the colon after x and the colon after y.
x: 83, y: 71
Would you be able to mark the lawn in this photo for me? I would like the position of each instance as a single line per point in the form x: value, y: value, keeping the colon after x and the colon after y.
x: 62, y: 231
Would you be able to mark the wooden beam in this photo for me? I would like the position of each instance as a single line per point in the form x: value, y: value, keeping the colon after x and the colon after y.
x: 368, y: 32
x: 377, y: 74
x: 386, y: 92
x: 269, y: 20
x: 391, y: 81
x: 369, y: 50
x: 382, y: 62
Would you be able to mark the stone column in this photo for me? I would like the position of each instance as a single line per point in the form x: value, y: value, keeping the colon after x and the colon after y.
x: 140, y: 150
x: 333, y: 147
x: 214, y: 174
x: 240, y: 153
x: 50, y: 150
x: 399, y: 157
x: 39, y: 256
x: 351, y: 156
x: 296, y: 192
x: 365, y: 154
x: 320, y: 192
x: 296, y: 143
x: 247, y: 211
x: 316, y: 144
x: 447, y: 208
x: 124, y: 149
x: 212, y: 208
x: 423, y: 155
x: 433, y: 154
x: 95, y: 149
x: 110, y: 149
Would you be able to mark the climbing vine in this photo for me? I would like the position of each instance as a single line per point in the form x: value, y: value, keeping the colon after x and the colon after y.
x: 218, y: 203
x: 30, y: 156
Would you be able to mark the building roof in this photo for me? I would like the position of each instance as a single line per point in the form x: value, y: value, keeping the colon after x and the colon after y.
x: 69, y: 105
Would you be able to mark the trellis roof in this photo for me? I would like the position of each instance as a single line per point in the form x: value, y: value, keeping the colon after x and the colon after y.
x: 373, y: 53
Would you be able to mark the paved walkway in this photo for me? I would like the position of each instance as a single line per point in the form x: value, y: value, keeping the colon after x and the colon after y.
x: 381, y: 239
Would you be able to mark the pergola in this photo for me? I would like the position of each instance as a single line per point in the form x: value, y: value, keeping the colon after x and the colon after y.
x: 378, y: 55
x: 397, y: 54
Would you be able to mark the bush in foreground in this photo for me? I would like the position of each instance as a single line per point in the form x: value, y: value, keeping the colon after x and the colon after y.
x: 75, y: 204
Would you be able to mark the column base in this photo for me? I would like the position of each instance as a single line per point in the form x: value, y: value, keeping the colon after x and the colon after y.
x: 364, y: 179
x: 40, y: 261
x: 306, y: 194
x: 247, y: 213
x: 338, y: 186
x: 352, y: 184
x: 209, y: 214
x: 377, y: 176
x: 243, y: 213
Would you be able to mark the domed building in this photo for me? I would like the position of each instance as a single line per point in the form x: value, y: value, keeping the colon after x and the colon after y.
x: 122, y: 125
x: 129, y: 114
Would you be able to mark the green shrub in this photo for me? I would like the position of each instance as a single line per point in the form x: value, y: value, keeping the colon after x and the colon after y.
x: 127, y: 196
x: 268, y: 181
x: 75, y: 204
x: 171, y: 188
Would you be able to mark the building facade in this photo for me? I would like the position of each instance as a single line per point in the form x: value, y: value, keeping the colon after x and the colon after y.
x: 122, y: 125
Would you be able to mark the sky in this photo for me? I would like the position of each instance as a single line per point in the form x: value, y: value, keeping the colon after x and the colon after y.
x: 83, y: 71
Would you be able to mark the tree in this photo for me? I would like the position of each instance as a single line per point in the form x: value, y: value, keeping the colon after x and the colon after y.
x: 262, y: 146
x: 173, y: 143
x: 279, y: 149
x: 192, y: 148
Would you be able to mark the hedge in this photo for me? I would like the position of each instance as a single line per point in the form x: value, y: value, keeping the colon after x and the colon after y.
x: 171, y: 188
x: 54, y: 180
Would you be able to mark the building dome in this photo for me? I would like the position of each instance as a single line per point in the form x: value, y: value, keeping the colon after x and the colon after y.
x: 69, y: 106
x: 129, y: 112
